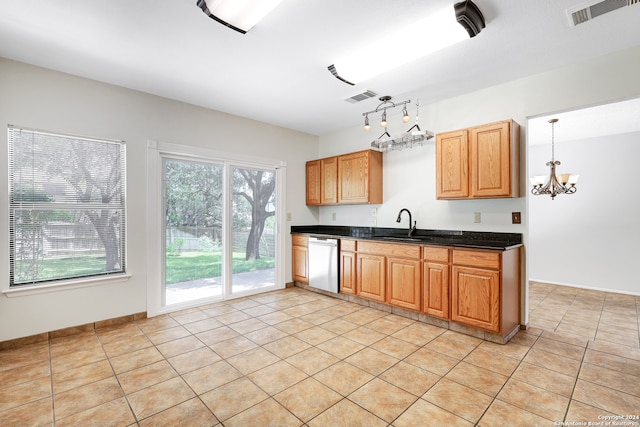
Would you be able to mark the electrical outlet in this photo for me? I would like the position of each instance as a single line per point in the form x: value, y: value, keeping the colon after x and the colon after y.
x: 374, y: 217
x: 289, y: 216
x: 333, y: 216
x: 477, y: 218
x: 516, y: 218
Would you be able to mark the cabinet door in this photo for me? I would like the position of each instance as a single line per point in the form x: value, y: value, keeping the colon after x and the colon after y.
x: 490, y: 160
x: 329, y: 178
x: 436, y: 289
x: 475, y: 298
x: 404, y: 283
x: 300, y: 263
x: 353, y: 178
x: 347, y: 272
x: 313, y: 182
x: 452, y: 167
x: 371, y: 276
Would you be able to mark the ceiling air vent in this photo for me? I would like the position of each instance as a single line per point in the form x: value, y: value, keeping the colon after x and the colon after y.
x: 588, y: 11
x: 361, y: 96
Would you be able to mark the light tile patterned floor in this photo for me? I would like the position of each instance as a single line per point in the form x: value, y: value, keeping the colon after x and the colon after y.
x: 293, y: 357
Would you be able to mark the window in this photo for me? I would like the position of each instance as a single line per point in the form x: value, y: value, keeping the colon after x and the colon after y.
x: 66, y: 207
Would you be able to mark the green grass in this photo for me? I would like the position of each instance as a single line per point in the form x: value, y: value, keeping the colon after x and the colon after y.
x: 57, y: 268
x: 200, y: 265
x: 179, y: 268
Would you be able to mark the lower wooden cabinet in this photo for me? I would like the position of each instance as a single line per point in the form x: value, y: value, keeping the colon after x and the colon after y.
x: 347, y: 272
x: 475, y: 297
x: 371, y: 277
x: 485, y: 289
x: 300, y: 255
x: 435, y: 281
x: 436, y: 289
x: 404, y: 283
x: 473, y: 287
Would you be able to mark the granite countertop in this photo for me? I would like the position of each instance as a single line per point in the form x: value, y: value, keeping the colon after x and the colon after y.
x: 455, y: 238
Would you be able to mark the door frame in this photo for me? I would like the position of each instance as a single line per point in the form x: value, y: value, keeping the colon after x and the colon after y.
x: 156, y: 151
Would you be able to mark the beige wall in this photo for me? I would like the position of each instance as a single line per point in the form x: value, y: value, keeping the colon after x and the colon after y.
x: 38, y: 98
x: 43, y: 99
x: 409, y: 175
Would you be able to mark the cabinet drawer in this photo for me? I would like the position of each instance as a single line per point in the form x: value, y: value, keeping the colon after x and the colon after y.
x: 433, y: 253
x: 299, y: 240
x: 389, y: 249
x: 347, y: 245
x: 485, y: 259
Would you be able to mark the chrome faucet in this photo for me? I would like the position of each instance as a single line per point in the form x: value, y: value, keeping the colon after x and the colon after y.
x: 412, y: 229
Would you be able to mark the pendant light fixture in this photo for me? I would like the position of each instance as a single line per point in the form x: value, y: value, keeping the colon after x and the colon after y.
x: 413, y: 136
x: 555, y: 184
x: 383, y: 106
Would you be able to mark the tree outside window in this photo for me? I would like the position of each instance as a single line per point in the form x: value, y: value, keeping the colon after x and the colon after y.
x: 67, y: 206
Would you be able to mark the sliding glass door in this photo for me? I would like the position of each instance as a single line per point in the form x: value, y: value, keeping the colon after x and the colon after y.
x: 219, y: 230
x: 253, y: 229
x: 193, y: 230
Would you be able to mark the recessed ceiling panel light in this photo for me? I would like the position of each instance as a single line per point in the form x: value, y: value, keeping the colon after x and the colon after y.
x: 435, y: 32
x: 239, y: 15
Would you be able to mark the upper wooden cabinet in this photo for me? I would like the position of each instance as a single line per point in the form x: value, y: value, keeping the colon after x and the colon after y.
x: 479, y: 162
x: 354, y: 178
x: 452, y: 165
x: 313, y: 183
x: 360, y: 177
x: 329, y: 181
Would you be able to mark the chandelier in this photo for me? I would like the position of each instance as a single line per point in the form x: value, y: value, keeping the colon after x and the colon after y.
x: 413, y: 136
x: 555, y: 184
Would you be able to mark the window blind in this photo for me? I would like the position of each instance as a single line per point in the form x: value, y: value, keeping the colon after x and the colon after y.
x: 66, y: 207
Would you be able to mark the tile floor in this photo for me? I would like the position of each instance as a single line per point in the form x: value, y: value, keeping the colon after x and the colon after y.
x: 293, y: 357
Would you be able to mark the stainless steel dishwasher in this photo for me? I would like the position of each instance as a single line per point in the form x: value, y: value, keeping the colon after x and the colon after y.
x: 323, y: 263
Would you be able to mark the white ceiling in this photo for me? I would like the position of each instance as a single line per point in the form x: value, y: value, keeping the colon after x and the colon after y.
x: 591, y: 122
x: 277, y: 72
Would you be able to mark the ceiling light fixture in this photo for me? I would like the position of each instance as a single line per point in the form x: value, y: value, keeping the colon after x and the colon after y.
x: 405, y: 115
x: 239, y: 15
x: 386, y: 103
x: 555, y: 184
x: 413, y: 136
x: 431, y: 34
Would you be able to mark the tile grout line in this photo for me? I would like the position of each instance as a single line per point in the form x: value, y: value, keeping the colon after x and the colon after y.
x: 369, y: 346
x: 124, y: 394
x: 494, y: 398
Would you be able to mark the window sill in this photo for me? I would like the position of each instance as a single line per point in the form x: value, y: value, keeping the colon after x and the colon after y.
x: 27, y: 290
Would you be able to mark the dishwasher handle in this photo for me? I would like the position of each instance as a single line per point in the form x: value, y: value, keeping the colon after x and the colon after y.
x: 323, y: 241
